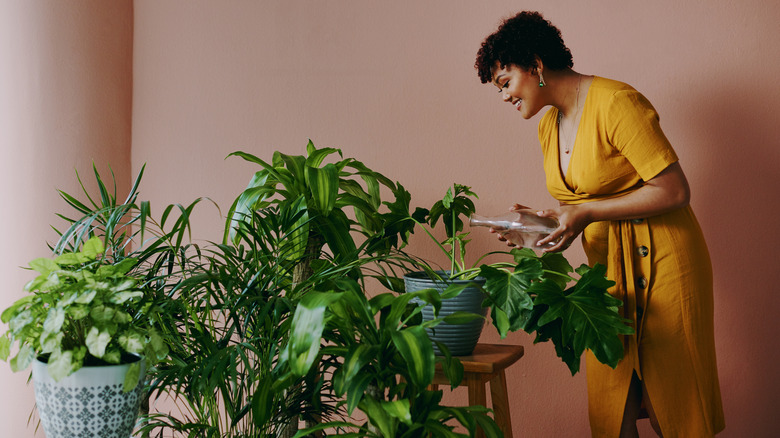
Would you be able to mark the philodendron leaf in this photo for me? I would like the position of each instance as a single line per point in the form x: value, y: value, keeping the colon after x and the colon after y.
x: 51, y: 342
x: 509, y: 293
x: 97, y: 341
x: 132, y: 377
x: 588, y: 314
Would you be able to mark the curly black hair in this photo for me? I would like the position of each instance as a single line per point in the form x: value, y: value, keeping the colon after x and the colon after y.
x: 518, y: 40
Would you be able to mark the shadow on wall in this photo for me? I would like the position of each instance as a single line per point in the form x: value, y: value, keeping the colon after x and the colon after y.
x: 738, y: 208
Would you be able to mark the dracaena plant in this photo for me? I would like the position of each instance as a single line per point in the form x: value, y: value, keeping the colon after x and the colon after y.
x: 327, y: 194
x: 381, y: 362
x: 82, y: 309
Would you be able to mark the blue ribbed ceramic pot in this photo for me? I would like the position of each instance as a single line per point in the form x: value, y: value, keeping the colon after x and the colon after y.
x: 460, y: 339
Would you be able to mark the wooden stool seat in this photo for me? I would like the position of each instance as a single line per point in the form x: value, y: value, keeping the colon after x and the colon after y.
x: 487, y: 364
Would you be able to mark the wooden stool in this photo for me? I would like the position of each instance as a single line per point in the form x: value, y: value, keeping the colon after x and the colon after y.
x: 487, y: 363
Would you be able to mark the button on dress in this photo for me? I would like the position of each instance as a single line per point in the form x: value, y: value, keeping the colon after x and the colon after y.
x: 660, y: 264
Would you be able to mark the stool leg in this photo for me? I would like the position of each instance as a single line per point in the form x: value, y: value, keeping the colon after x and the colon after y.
x: 501, y: 403
x: 477, y: 395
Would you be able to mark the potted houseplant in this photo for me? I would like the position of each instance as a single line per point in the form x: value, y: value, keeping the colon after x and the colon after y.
x: 100, y: 300
x: 290, y: 232
x: 540, y: 294
x: 461, y: 288
x: 384, y: 363
x: 85, y: 330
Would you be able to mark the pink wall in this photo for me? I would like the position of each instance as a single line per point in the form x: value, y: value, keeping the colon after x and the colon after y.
x: 65, y: 100
x: 393, y: 85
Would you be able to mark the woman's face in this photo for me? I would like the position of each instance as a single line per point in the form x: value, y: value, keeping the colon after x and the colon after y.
x: 518, y: 87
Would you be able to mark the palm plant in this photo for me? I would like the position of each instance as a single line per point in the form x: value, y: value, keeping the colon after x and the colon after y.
x: 234, y: 312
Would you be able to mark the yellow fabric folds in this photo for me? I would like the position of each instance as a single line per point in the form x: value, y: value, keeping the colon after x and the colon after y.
x: 660, y: 264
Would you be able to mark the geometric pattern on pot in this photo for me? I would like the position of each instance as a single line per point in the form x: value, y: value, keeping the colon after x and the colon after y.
x: 89, y: 403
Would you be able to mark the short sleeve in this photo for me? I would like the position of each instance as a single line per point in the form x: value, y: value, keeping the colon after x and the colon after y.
x: 635, y: 131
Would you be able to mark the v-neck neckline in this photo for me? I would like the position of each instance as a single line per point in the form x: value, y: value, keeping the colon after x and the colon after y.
x: 564, y: 174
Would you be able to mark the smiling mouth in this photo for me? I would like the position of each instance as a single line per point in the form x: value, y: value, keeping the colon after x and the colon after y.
x: 518, y: 103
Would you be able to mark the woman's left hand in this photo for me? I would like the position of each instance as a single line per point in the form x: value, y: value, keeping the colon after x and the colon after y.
x: 572, y: 219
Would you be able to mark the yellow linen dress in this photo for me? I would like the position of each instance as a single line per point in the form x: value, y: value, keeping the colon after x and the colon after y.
x: 660, y: 264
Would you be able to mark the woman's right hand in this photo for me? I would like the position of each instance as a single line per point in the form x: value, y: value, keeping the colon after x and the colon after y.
x: 511, y: 238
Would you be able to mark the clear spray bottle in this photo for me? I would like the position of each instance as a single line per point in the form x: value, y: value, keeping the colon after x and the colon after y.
x: 523, y: 227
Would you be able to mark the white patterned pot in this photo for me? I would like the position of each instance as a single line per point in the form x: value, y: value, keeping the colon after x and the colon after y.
x: 89, y: 403
x: 460, y: 339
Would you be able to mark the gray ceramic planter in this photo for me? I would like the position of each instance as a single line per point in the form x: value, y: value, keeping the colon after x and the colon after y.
x: 460, y: 339
x: 89, y: 403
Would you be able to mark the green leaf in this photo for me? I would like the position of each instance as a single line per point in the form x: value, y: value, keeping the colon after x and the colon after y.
x: 378, y: 417
x: 93, y: 247
x: 97, y: 341
x: 5, y: 346
x: 51, y: 342
x: 122, y: 297
x: 358, y: 356
x: 71, y: 258
x: 44, y: 265
x: 102, y: 313
x: 461, y: 317
x: 78, y: 311
x: 324, y: 186
x: 398, y: 409
x: 509, y: 290
x: 132, y: 377
x: 131, y: 342
x: 23, y: 359
x: 11, y: 311
x: 54, y: 320
x: 86, y: 297
x: 417, y: 351
x: 588, y: 315
x: 306, y: 330
x: 60, y: 365
x: 262, y: 403
x: 335, y: 229
x: 357, y: 389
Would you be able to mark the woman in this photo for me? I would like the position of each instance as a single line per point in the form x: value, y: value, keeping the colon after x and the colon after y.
x: 619, y: 184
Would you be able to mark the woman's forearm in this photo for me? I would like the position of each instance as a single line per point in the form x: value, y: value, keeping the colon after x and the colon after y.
x: 666, y: 192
